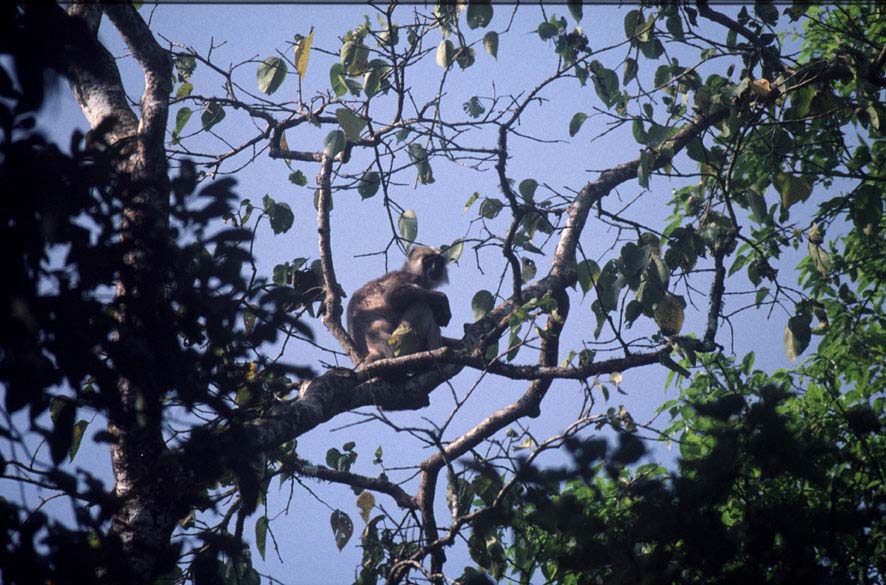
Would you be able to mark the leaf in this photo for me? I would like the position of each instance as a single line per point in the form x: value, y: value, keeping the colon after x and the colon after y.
x: 669, y: 315
x: 445, y: 51
x: 792, y: 189
x: 271, y: 73
x: 302, y: 53
x: 797, y: 335
x: 547, y: 30
x: 454, y: 252
x: 473, y: 108
x: 479, y: 14
x: 298, y: 178
x: 419, y: 156
x: 633, y: 22
x: 631, y: 70
x: 342, y: 528
x: 471, y: 200
x: 351, y: 123
x: 528, y: 269
x: 374, y: 79
x: 490, y: 43
x: 62, y: 411
x: 79, y: 429
x: 213, y: 113
x: 365, y: 501
x: 490, y: 207
x: 334, y: 143
x: 408, y: 224
x: 337, y: 80
x: 587, y: 272
x: 575, y: 9
x: 820, y: 258
x: 482, y: 303
x: 184, y: 90
x: 281, y: 218
x: 369, y: 184
x: 261, y: 535
x: 575, y: 124
x: 181, y: 118
x: 527, y: 189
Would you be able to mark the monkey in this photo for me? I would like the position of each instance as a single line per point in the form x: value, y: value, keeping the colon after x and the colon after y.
x: 400, y: 301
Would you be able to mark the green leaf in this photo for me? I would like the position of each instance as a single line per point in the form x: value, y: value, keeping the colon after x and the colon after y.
x: 797, y: 335
x: 490, y: 43
x: 184, y: 90
x: 351, y: 123
x: 479, y: 14
x: 528, y: 270
x: 419, y: 156
x: 408, y: 224
x: 490, y: 208
x: 575, y: 124
x: 213, y: 113
x: 633, y: 22
x: 575, y: 9
x: 298, y: 178
x: 62, y: 411
x: 471, y: 200
x: 334, y: 143
x: 792, y: 189
x: 820, y: 258
x: 454, y: 251
x: 587, y: 271
x: 482, y: 303
x: 374, y: 80
x: 261, y: 535
x: 337, y: 80
x: 281, y: 217
x: 369, y: 184
x: 302, y: 53
x: 547, y: 30
x: 79, y: 429
x: 473, y: 108
x: 181, y: 118
x: 631, y: 70
x: 527, y: 189
x: 271, y: 73
x: 445, y: 52
x: 647, y: 160
x: 342, y: 528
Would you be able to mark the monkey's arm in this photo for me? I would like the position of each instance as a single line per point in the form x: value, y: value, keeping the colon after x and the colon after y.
x: 402, y: 296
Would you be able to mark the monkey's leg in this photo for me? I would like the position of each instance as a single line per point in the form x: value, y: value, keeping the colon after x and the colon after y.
x: 420, y: 318
x: 377, y: 343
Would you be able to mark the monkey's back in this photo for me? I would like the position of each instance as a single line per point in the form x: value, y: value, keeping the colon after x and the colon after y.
x: 367, y: 309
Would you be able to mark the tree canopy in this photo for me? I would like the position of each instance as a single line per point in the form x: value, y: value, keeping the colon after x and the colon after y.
x: 652, y: 208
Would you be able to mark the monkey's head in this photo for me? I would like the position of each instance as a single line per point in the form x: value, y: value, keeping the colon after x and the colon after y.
x: 429, y: 264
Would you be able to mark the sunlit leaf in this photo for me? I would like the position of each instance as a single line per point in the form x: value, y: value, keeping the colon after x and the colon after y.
x: 351, y: 123
x: 302, y: 53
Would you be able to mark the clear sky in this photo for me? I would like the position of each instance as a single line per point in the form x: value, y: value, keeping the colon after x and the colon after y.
x: 555, y: 160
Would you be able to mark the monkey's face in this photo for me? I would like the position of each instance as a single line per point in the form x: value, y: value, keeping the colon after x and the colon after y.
x: 434, y: 268
x: 430, y: 264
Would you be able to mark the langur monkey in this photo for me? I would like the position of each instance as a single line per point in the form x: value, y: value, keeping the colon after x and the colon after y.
x: 403, y: 302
